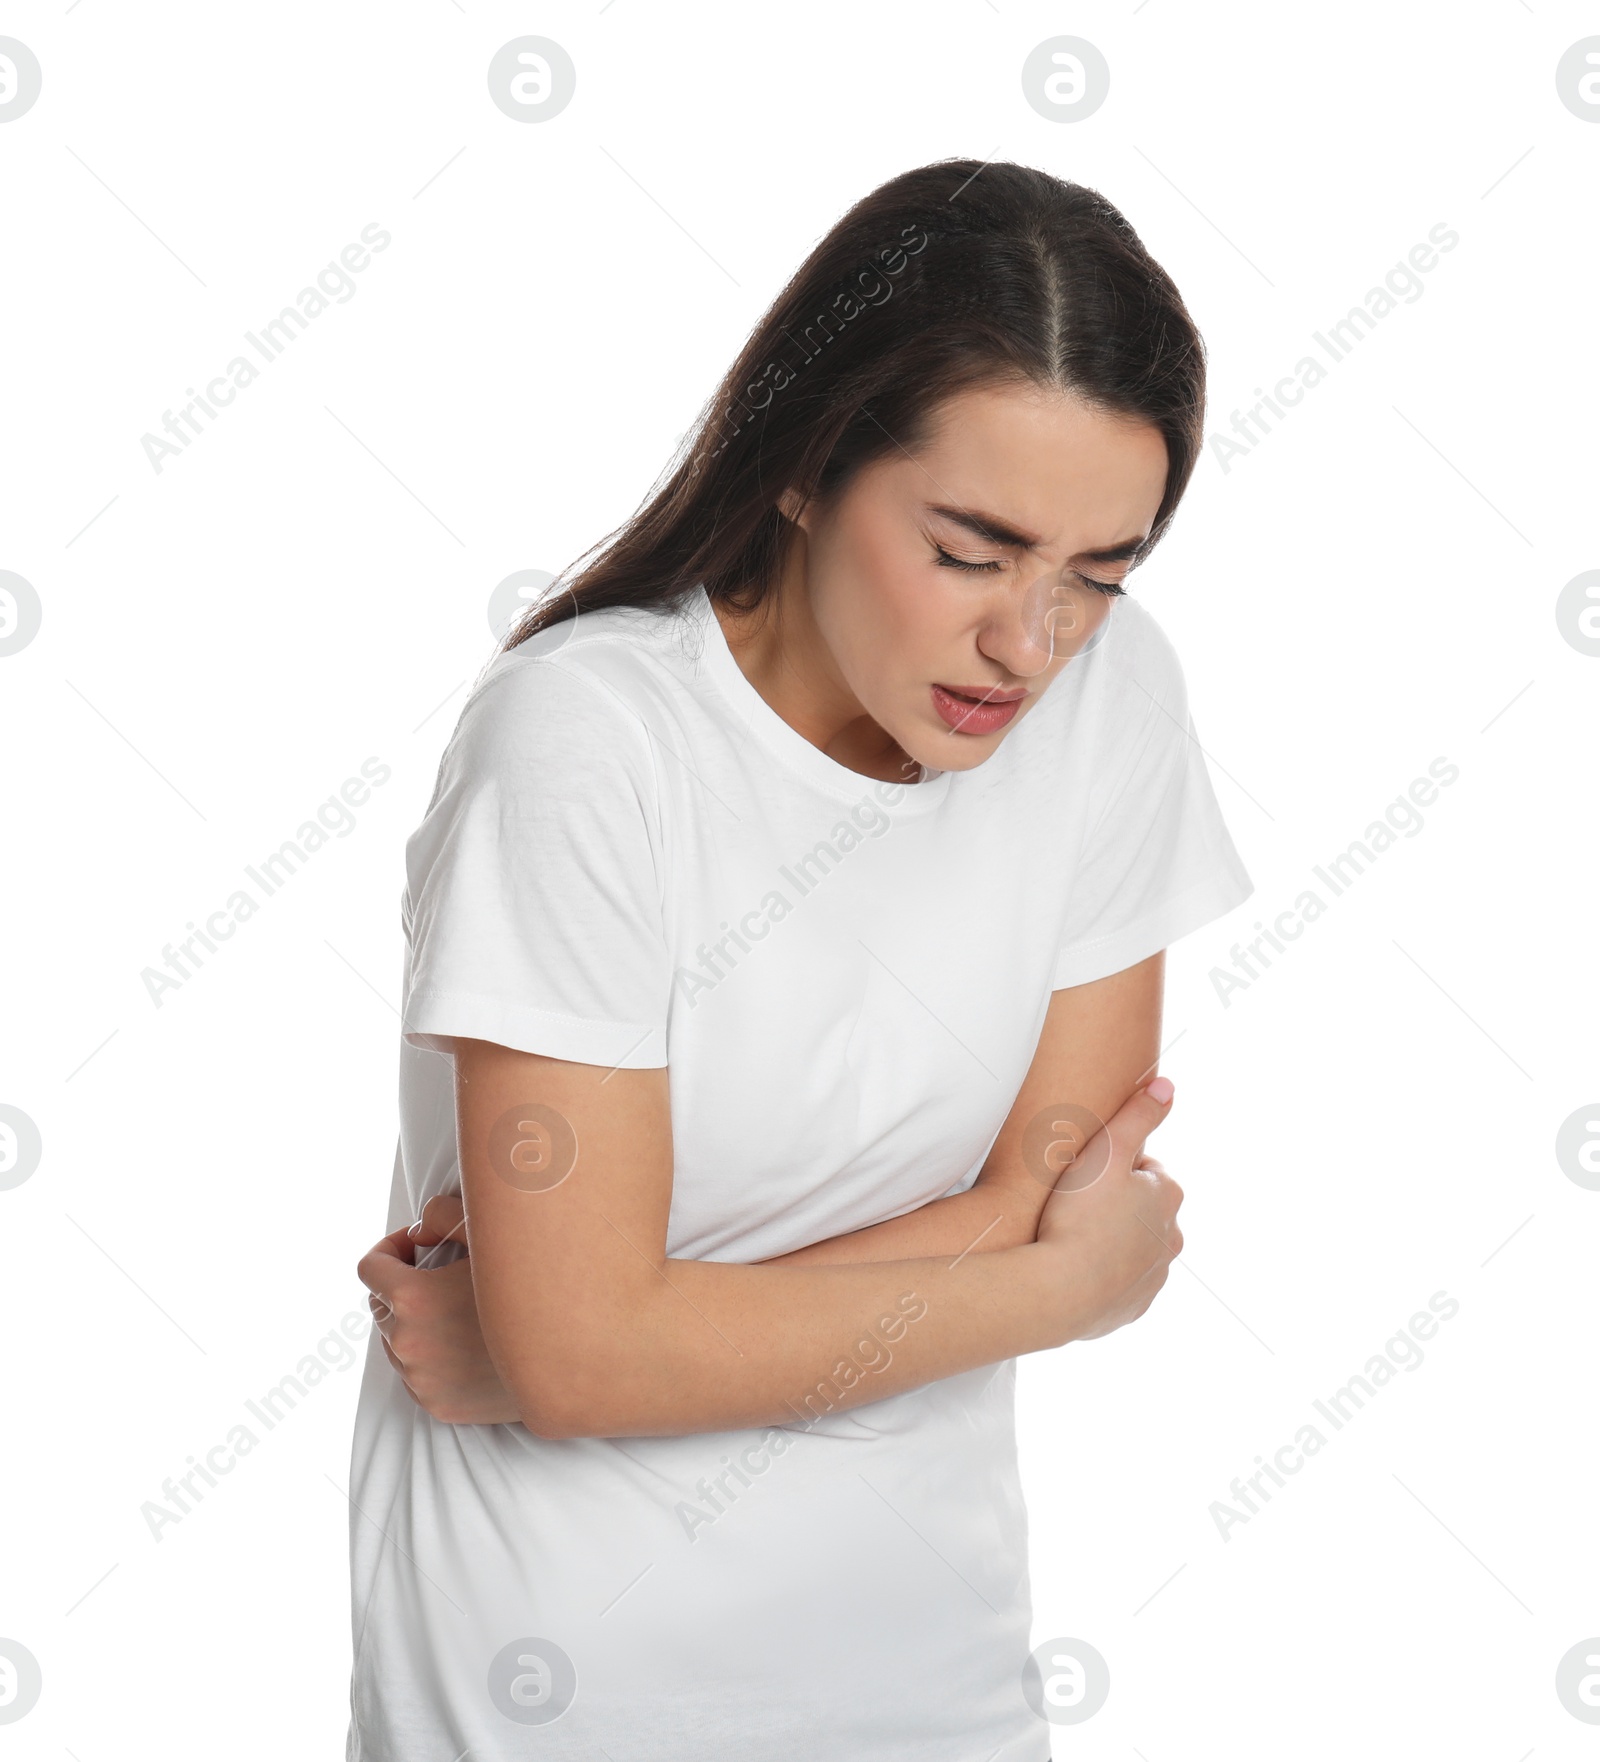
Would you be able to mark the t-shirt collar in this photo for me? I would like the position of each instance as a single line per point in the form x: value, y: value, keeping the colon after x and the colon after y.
x: 788, y: 744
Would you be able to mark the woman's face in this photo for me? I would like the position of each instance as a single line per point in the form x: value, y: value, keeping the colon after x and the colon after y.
x: 951, y: 587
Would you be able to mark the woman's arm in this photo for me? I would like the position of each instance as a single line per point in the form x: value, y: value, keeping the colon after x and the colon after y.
x: 594, y: 1331
x: 1099, y: 1043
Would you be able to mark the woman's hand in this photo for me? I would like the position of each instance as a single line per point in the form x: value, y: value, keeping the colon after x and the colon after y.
x: 428, y: 1318
x: 1113, y: 1219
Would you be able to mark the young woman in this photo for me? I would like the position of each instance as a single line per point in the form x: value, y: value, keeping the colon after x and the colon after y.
x: 783, y: 998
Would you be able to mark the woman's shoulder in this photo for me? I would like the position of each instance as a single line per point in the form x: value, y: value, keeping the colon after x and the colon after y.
x: 591, y: 677
x: 1144, y: 671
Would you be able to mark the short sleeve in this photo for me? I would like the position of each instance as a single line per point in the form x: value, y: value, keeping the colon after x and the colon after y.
x: 534, y: 902
x: 1157, y: 860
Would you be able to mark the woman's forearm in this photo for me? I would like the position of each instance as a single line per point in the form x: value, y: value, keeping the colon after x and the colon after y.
x: 714, y: 1346
x: 595, y: 1331
x: 981, y: 1220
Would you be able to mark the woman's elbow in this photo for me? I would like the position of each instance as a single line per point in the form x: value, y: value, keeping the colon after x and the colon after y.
x: 561, y: 1402
x: 549, y: 1404
x: 592, y: 1376
x: 564, y: 1420
x: 557, y: 1419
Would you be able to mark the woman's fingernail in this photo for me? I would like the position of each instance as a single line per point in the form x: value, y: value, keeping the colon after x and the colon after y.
x: 1160, y: 1090
x: 414, y: 1228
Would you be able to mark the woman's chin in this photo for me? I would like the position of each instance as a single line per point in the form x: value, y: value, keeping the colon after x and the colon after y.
x: 945, y: 750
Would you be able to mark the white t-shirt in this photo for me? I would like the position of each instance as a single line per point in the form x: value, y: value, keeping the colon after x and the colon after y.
x: 631, y: 860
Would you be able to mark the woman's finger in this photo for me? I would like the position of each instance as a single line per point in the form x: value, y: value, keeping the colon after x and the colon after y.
x: 444, y: 1219
x: 385, y: 1269
x: 397, y: 1243
x: 402, y: 1370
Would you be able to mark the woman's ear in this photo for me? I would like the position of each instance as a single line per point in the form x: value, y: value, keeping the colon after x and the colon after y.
x: 792, y: 506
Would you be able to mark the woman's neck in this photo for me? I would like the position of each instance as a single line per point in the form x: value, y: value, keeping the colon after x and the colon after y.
x: 781, y: 652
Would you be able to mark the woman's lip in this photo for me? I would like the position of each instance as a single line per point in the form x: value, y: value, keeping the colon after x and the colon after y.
x: 986, y: 694
x: 962, y: 715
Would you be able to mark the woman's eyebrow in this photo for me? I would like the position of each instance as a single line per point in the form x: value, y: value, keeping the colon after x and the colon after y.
x: 997, y: 531
x: 987, y: 526
x: 1117, y: 553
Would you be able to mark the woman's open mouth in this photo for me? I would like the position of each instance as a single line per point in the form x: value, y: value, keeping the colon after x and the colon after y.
x: 976, y: 709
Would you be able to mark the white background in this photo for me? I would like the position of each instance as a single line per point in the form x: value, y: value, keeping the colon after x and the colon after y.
x: 224, y: 642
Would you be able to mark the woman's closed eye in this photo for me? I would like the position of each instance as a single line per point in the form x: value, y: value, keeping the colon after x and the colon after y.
x: 946, y: 560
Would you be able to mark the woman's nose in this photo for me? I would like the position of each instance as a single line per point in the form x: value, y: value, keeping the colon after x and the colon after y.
x: 1030, y: 631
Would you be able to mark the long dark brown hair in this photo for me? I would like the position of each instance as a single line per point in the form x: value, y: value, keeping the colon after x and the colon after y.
x: 953, y: 275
